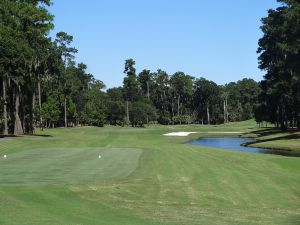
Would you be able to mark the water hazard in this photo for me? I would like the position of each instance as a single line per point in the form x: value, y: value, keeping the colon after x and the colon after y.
x: 235, y: 144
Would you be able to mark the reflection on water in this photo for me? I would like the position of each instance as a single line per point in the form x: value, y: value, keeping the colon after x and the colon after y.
x: 236, y: 145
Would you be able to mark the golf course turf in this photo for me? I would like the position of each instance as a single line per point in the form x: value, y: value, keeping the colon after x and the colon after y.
x: 144, y: 177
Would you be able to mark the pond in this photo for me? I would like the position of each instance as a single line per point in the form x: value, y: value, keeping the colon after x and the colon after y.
x: 228, y: 143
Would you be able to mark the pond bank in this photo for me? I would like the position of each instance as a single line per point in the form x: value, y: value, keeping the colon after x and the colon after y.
x: 274, y: 139
x: 238, y: 144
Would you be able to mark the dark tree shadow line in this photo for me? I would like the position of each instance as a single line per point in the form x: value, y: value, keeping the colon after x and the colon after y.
x: 290, y: 134
x: 33, y: 135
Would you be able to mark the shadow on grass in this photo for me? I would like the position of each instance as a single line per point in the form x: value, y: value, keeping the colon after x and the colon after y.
x: 41, y: 135
x: 5, y: 136
x: 25, y: 135
x: 269, y: 132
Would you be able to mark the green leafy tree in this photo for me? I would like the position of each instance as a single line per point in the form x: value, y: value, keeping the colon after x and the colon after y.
x: 51, y: 111
x: 279, y: 57
x: 208, y: 101
x: 130, y: 86
x: 182, y: 90
x: 161, y: 96
x: 63, y: 41
x: 115, y: 113
x: 145, y: 79
x: 139, y: 114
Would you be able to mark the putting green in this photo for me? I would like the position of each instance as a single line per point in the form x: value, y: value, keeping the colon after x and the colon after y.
x: 42, y: 166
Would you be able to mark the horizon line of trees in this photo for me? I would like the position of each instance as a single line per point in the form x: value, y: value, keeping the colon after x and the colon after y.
x: 158, y: 97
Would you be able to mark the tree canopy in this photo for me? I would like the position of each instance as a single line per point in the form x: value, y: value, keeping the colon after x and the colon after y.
x: 279, y: 57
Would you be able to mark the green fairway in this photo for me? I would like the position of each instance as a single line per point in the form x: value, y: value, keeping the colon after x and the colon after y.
x: 142, y: 178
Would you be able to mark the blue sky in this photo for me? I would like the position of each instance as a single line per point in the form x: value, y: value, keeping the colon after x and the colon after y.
x: 212, y: 39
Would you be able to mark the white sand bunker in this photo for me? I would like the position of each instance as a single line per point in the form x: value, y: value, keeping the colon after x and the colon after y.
x: 179, y: 134
x: 225, y: 132
x: 184, y: 134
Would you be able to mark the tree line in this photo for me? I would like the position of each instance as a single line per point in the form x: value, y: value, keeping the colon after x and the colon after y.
x: 279, y: 49
x: 42, y: 85
x: 179, y: 99
x: 40, y: 82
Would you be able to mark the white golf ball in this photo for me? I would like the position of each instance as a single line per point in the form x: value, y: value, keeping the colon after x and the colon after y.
x: 99, y: 157
x: 4, y: 156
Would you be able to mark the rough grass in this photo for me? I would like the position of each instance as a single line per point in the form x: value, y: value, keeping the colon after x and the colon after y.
x: 147, y: 179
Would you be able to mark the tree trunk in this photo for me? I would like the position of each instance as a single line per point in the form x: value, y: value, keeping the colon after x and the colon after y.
x: 148, y: 91
x: 173, y: 114
x: 40, y: 106
x: 65, y: 106
x: 23, y: 123
x: 282, y: 119
x: 208, y: 118
x: 5, y: 131
x: 32, y: 115
x: 162, y: 102
x: 277, y: 116
x: 224, y: 111
x: 178, y: 106
x: 127, y: 113
x: 226, y: 104
x: 181, y: 109
x: 18, y: 129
